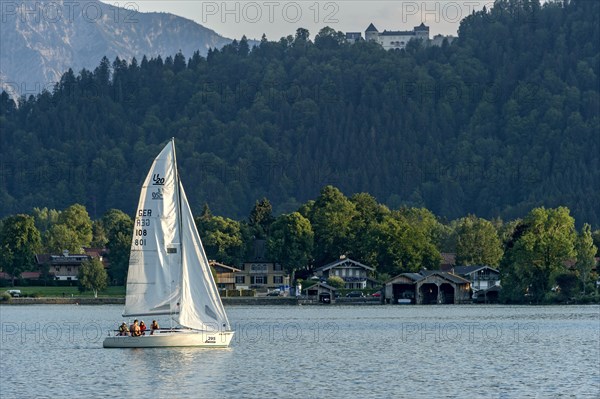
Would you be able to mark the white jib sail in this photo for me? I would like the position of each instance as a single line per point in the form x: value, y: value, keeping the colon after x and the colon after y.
x: 201, y: 306
x: 154, y: 276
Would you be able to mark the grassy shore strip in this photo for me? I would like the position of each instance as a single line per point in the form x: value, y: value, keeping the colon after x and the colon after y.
x: 65, y: 301
x: 65, y: 292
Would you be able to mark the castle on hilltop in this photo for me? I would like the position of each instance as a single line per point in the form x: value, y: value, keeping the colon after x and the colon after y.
x: 397, y: 40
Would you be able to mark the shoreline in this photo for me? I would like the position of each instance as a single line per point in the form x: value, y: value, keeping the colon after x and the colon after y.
x: 231, y: 301
x: 235, y: 301
x: 65, y: 301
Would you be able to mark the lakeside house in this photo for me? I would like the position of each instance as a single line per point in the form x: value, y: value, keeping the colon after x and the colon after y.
x: 354, y: 274
x: 261, y: 275
x: 485, y: 281
x: 260, y: 272
x: 224, y: 275
x: 65, y: 267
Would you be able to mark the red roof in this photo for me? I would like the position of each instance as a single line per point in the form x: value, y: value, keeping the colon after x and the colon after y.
x: 24, y: 275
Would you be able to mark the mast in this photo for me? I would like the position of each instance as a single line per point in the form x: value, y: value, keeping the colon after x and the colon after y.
x: 179, y: 217
x: 177, y: 184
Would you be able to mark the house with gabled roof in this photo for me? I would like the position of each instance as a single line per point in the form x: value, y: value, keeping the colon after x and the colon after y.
x: 225, y: 275
x: 485, y: 281
x: 63, y: 267
x: 355, y: 274
x: 481, y: 276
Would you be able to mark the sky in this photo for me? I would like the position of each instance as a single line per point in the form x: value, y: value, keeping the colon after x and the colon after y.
x: 277, y: 19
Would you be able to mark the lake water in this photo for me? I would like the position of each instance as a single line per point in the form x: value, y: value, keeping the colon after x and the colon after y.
x: 55, y: 351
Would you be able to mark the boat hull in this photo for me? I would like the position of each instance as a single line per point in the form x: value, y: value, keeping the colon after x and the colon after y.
x: 171, y: 339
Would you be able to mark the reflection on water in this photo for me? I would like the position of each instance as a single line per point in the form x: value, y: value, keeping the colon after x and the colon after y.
x: 313, y: 352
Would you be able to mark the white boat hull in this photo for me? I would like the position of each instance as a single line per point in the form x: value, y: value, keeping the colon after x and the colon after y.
x: 172, y: 338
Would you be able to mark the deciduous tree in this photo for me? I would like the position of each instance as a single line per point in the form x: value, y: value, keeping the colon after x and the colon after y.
x: 477, y: 242
x: 331, y: 219
x: 222, y: 239
x: 92, y: 276
x: 44, y: 218
x: 402, y: 248
x: 586, y: 251
x: 76, y: 219
x: 368, y: 213
x: 544, y: 241
x: 19, y: 242
x: 596, y: 238
x: 60, y: 238
x: 119, y: 231
x: 291, y: 241
x: 336, y: 282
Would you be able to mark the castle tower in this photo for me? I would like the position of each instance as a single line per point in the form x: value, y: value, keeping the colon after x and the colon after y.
x: 371, y: 34
x: 422, y: 31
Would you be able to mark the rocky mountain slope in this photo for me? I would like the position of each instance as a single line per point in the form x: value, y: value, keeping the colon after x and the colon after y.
x: 41, y: 40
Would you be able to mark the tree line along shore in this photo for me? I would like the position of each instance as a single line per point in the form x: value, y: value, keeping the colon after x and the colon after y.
x: 542, y: 257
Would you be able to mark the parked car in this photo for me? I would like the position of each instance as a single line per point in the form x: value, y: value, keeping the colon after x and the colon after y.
x: 376, y: 294
x: 14, y: 293
x: 355, y: 294
x: 274, y: 293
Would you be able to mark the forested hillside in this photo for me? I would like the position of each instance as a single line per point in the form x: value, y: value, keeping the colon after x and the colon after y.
x: 503, y: 120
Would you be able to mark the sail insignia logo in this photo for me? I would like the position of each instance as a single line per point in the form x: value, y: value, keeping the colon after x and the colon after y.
x: 158, y: 194
x: 157, y: 180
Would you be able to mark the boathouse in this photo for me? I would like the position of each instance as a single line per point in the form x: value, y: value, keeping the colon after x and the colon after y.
x: 427, y: 287
x: 321, y: 292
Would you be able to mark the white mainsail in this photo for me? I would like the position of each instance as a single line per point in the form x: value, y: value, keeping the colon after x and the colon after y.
x: 153, y: 277
x: 169, y: 273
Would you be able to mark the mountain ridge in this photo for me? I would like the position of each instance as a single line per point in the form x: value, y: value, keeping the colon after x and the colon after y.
x: 42, y: 41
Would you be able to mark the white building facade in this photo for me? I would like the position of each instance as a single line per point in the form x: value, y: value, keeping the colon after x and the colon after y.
x: 396, y: 40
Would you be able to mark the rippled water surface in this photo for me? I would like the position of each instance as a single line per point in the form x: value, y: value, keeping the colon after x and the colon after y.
x: 55, y: 351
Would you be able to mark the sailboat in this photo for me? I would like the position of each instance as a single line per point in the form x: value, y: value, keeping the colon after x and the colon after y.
x: 169, y: 274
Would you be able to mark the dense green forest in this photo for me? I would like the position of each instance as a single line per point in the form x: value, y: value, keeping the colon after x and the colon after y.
x: 503, y: 120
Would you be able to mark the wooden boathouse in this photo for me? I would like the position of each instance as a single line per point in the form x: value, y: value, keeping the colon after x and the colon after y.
x: 427, y: 287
